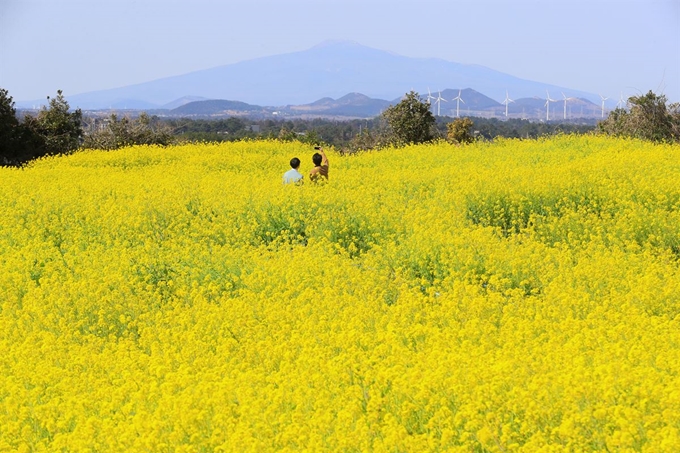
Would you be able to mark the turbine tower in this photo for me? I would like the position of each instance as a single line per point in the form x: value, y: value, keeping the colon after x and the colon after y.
x: 547, y: 106
x: 439, y: 100
x: 458, y: 100
x: 507, y: 101
x: 565, y: 104
x: 603, y: 99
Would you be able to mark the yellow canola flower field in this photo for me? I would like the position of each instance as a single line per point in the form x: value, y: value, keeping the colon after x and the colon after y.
x: 496, y: 297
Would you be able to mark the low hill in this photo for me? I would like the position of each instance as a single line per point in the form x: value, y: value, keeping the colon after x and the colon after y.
x: 216, y: 107
x: 470, y: 101
x: 182, y: 101
x: 357, y: 105
x: 350, y: 105
x: 536, y: 108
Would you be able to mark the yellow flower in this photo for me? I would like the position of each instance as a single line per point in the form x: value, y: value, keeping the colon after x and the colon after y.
x: 508, y: 296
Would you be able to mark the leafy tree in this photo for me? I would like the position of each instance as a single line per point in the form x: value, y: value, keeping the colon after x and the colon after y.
x: 649, y: 118
x: 311, y: 137
x: 287, y: 135
x: 308, y: 136
x: 117, y: 133
x: 364, y: 140
x: 9, y: 128
x: 233, y: 125
x: 410, y: 121
x: 60, y: 130
x: 18, y: 142
x: 459, y: 131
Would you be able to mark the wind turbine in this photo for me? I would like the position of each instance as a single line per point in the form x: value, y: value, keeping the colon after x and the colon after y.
x: 565, y: 104
x: 429, y: 96
x: 458, y: 101
x: 507, y: 101
x: 439, y: 100
x: 547, y: 106
x: 622, y: 103
x: 603, y: 99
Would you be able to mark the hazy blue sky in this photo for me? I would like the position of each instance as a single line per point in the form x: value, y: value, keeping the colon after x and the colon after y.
x: 601, y: 46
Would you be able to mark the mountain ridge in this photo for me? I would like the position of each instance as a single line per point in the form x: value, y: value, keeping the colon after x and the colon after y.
x: 329, y: 69
x: 358, y: 105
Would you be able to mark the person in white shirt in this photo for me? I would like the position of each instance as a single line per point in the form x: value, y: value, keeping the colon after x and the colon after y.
x: 293, y: 175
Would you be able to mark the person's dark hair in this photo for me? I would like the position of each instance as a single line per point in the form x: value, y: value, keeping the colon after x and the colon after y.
x: 295, y: 162
x: 316, y: 158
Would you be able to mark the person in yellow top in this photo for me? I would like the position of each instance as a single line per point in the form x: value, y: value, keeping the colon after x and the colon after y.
x: 320, y: 170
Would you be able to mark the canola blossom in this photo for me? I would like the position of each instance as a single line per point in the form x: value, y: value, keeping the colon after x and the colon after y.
x: 497, y: 297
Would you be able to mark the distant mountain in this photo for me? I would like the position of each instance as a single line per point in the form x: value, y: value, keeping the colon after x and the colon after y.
x: 357, y: 105
x: 329, y: 70
x: 536, y: 108
x: 354, y: 105
x: 182, y: 101
x: 470, y: 100
x: 216, y: 107
x: 350, y: 105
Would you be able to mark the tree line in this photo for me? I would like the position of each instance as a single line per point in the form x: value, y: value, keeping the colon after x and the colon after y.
x: 353, y: 134
x: 58, y: 130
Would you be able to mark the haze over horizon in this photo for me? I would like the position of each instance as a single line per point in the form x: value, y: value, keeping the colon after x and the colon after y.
x: 602, y: 46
